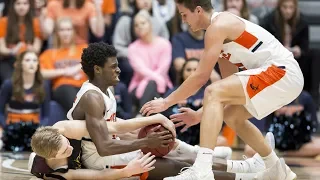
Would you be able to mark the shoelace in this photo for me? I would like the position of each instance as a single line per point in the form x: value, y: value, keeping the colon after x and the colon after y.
x: 187, y: 173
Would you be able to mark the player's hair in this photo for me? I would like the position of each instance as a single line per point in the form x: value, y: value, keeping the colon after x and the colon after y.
x: 96, y: 54
x: 46, y: 142
x: 192, y: 4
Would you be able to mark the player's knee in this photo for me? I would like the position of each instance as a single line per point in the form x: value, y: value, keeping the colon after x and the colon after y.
x: 214, y: 92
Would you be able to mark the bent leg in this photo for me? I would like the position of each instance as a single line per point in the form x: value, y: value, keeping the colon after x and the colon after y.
x: 229, y: 92
x: 226, y: 91
x: 236, y: 117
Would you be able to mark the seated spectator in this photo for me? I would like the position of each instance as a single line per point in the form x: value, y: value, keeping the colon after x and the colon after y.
x: 62, y: 64
x: 83, y: 13
x: 190, y: 135
x: 239, y: 8
x: 288, y: 25
x: 124, y: 35
x: 296, y: 139
x: 150, y: 57
x: 22, y: 100
x: 124, y: 101
x: 187, y: 45
x: 19, y: 31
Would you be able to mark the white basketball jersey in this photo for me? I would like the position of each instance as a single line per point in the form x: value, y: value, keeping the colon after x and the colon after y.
x: 254, y: 48
x: 110, y: 102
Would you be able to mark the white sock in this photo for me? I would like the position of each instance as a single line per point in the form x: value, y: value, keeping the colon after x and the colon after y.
x: 245, y: 176
x: 222, y: 152
x: 270, y: 160
x: 232, y: 167
x: 204, y: 159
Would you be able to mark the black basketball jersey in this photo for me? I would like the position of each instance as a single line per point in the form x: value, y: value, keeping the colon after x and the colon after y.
x: 40, y: 168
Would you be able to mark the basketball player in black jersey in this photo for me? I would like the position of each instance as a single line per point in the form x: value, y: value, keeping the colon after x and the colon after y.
x: 58, y: 156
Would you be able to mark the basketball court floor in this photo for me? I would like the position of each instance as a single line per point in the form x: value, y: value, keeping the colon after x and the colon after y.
x: 15, y: 166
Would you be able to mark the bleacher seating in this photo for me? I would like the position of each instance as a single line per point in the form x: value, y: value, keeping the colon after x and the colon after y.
x: 311, y: 9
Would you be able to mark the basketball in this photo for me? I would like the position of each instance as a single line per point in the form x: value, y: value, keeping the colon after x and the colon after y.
x: 159, y: 151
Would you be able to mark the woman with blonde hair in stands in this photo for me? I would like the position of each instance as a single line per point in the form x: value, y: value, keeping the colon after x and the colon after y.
x: 22, y: 100
x: 239, y: 8
x: 19, y: 31
x: 150, y: 58
x: 62, y: 64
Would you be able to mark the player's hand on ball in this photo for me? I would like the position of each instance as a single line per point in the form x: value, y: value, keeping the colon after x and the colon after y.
x: 154, y: 106
x: 140, y: 164
x: 166, y: 123
x: 158, y: 139
x: 187, y: 118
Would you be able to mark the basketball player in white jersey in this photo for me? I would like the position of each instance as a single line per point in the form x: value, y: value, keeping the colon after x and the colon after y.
x: 96, y: 104
x: 269, y: 78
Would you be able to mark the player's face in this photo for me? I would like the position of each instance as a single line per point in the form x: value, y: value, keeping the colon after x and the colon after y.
x: 65, y: 32
x: 144, y: 4
x: 191, y: 18
x: 111, y: 71
x: 287, y: 9
x: 189, y: 69
x: 30, y: 63
x: 142, y: 26
x: 22, y: 7
x: 236, y: 4
x: 65, y: 150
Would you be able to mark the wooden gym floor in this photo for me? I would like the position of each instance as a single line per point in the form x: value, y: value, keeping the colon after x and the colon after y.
x: 14, y: 167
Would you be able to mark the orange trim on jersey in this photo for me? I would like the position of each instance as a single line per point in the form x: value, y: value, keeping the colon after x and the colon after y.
x: 143, y: 176
x: 15, y: 118
x: 240, y: 66
x: 259, y: 82
x: 246, y: 40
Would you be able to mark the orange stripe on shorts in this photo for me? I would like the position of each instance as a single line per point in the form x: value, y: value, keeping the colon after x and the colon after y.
x: 246, y: 40
x: 266, y: 78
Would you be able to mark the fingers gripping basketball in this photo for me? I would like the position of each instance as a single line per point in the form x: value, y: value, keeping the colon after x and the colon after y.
x: 159, y: 151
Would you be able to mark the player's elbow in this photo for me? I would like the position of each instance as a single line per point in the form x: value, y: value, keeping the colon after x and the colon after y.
x: 105, y: 149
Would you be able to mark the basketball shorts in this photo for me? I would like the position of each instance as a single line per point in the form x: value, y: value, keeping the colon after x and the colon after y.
x: 271, y: 87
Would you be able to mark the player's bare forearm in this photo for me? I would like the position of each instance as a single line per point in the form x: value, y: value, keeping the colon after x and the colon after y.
x: 93, y: 105
x: 75, y: 129
x: 136, y: 123
x: 88, y: 174
x: 106, y: 146
x: 189, y: 87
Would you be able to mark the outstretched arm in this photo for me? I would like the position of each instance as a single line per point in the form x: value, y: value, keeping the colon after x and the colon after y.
x: 137, y: 166
x: 93, y: 105
x: 214, y: 39
x: 213, y: 44
x: 130, y: 125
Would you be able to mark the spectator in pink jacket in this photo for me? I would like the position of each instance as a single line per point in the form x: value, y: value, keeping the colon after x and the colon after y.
x: 150, y: 58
